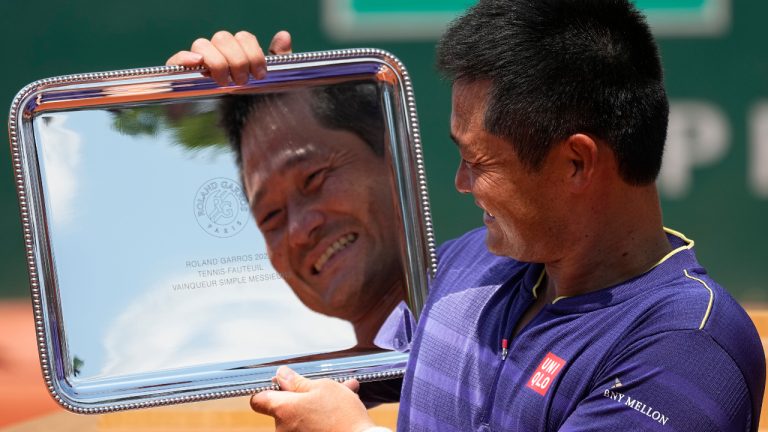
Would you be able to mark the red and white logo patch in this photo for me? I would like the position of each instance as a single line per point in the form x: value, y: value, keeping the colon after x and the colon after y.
x: 545, y: 373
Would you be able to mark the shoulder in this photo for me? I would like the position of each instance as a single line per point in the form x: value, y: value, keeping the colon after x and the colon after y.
x: 470, y: 244
x: 692, y: 300
x: 683, y: 296
x: 731, y: 329
x: 723, y: 318
x: 466, y: 262
x: 692, y: 329
x: 682, y: 378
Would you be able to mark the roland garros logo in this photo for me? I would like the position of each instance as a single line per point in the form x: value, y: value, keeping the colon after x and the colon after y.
x: 220, y: 207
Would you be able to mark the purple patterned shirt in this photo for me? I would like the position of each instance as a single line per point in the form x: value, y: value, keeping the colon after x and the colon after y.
x: 667, y: 350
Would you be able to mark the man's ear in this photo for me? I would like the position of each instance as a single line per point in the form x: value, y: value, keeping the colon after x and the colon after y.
x: 581, y: 152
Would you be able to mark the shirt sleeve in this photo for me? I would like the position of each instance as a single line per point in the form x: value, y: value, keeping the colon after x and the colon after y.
x: 674, y: 381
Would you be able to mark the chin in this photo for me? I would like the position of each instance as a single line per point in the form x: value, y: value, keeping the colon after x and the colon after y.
x: 502, y: 247
x: 495, y: 245
x: 337, y: 303
x: 339, y: 312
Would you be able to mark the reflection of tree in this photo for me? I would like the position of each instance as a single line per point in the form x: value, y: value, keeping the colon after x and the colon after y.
x: 194, y: 125
x: 77, y: 365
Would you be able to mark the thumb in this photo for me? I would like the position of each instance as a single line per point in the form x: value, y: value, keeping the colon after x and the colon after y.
x: 268, y: 401
x: 352, y: 384
x: 185, y: 58
x: 289, y: 380
x: 281, y: 43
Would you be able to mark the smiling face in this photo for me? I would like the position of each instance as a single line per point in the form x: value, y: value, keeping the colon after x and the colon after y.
x: 523, y: 208
x: 324, y: 203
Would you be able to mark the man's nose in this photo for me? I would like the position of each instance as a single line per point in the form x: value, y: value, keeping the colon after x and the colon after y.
x: 303, y: 226
x: 463, y: 180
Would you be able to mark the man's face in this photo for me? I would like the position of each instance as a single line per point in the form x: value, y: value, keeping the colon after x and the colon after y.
x: 521, y: 207
x: 323, y: 200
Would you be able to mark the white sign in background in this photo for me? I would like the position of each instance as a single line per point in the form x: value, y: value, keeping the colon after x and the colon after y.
x: 355, y: 20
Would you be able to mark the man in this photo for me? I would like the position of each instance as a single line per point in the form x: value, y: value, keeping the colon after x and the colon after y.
x: 320, y: 192
x: 573, y: 309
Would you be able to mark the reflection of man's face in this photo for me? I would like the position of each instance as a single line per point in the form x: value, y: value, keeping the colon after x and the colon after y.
x: 323, y: 200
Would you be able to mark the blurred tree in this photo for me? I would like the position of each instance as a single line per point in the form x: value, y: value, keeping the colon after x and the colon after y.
x: 195, y: 125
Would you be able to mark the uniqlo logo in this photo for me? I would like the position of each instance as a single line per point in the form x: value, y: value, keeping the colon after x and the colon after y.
x: 545, y: 373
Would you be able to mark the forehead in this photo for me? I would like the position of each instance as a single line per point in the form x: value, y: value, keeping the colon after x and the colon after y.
x: 281, y: 128
x: 281, y: 117
x: 278, y: 136
x: 287, y: 137
x: 468, y: 102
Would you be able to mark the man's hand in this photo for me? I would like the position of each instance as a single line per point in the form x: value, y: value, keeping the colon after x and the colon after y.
x: 231, y: 57
x: 312, y: 405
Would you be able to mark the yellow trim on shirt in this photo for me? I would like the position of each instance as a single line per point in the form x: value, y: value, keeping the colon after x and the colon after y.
x: 688, y: 245
x: 538, y: 282
x: 711, y: 298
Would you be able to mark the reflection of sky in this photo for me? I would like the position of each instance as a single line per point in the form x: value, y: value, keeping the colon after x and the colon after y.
x: 214, y: 325
x: 61, y: 161
x: 123, y: 228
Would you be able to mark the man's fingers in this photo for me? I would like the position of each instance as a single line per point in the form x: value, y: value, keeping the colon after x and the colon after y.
x: 303, y: 404
x: 262, y: 402
x: 233, y: 53
x: 185, y: 58
x: 227, y: 56
x: 289, y: 380
x: 214, y: 60
x: 274, y: 403
x: 281, y: 43
x: 352, y: 384
x: 255, y: 55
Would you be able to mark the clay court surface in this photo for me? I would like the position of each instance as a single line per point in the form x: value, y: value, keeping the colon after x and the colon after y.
x: 25, y: 405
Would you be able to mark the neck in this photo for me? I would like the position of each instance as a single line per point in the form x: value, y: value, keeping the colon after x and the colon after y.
x: 368, y: 324
x: 625, y: 238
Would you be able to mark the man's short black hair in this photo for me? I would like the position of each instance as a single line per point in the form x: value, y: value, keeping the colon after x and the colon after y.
x: 559, y: 67
x: 352, y: 106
